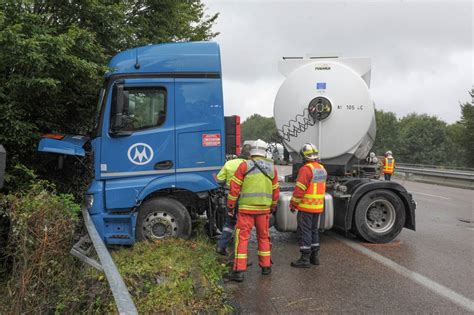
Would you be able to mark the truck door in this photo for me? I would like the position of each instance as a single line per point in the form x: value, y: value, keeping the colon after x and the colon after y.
x: 140, y: 143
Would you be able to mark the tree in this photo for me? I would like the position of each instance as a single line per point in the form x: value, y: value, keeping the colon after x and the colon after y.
x: 423, y: 140
x: 259, y: 127
x: 387, y: 136
x: 54, y: 54
x: 455, y: 150
x: 467, y: 138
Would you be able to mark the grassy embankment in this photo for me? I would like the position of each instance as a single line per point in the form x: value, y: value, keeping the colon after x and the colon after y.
x: 38, y: 275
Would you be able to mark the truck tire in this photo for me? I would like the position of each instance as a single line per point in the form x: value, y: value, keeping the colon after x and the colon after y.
x: 379, y: 216
x: 163, y: 217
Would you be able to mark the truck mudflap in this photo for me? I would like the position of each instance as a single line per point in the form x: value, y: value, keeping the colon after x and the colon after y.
x: 63, y: 144
x: 285, y: 220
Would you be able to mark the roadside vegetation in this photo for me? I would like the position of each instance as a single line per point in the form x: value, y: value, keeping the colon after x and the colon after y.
x: 38, y: 275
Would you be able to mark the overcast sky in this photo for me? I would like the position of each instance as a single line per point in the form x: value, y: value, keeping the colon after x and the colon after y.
x: 421, y: 51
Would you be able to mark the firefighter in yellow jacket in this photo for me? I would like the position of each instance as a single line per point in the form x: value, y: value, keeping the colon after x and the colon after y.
x: 255, y: 185
x: 308, y: 199
x: 223, y: 178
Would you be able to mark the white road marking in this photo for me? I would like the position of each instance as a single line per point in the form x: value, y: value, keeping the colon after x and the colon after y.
x: 436, y: 196
x: 431, y: 285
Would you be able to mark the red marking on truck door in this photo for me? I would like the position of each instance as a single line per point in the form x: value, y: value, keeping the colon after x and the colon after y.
x: 211, y: 140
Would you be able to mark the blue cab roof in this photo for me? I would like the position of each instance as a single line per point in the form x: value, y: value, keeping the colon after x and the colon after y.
x: 185, y: 57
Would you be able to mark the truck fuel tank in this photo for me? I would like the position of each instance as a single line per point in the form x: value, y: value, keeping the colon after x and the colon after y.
x: 285, y: 220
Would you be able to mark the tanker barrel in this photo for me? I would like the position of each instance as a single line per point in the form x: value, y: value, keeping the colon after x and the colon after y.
x: 326, y: 101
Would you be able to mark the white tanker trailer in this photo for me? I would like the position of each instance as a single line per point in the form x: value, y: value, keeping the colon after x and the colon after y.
x: 326, y: 101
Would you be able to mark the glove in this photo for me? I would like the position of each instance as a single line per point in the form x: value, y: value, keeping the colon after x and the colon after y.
x: 292, y: 208
x: 230, y: 212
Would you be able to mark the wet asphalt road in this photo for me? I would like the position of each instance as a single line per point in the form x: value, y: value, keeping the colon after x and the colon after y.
x: 352, y: 281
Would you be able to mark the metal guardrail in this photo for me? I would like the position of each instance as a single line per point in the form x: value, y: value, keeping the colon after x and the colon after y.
x: 122, y: 297
x: 447, y: 177
x: 436, y: 167
x: 437, y: 172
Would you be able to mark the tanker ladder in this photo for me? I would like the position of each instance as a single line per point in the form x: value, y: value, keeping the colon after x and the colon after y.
x: 83, y: 248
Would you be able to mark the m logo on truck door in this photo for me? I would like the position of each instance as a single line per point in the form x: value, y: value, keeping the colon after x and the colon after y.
x: 140, y: 153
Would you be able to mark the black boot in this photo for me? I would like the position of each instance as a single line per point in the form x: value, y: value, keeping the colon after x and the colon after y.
x: 266, y: 270
x: 237, y: 276
x: 303, y: 262
x: 314, y: 258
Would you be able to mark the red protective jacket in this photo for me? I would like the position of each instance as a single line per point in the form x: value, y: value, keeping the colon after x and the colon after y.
x: 303, y: 183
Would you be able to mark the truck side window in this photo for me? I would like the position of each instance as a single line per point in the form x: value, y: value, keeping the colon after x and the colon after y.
x: 144, y: 108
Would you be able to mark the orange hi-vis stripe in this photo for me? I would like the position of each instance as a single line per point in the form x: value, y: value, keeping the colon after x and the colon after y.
x: 313, y: 199
x: 389, y: 166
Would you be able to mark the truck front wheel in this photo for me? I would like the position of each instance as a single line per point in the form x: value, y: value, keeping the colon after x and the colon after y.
x: 379, y: 216
x: 160, y: 218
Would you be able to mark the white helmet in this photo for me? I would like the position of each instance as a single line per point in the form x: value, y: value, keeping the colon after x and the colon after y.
x: 388, y: 153
x: 258, y: 147
x: 372, y: 154
x: 309, y: 152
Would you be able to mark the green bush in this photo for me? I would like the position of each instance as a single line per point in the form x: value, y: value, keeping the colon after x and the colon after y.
x: 41, y: 232
x: 173, y: 275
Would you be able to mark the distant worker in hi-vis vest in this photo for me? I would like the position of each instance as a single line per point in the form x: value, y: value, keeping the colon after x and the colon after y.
x: 255, y: 185
x: 223, y: 178
x: 388, y: 165
x: 308, y: 199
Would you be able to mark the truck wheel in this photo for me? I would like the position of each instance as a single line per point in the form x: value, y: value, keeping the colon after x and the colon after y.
x: 161, y: 218
x: 379, y: 216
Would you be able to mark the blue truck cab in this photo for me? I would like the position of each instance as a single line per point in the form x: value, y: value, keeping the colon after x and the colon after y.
x: 158, y: 142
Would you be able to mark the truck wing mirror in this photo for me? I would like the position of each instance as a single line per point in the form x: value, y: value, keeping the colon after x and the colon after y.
x: 119, y: 111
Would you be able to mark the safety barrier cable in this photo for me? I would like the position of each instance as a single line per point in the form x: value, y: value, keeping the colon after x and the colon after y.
x: 122, y: 297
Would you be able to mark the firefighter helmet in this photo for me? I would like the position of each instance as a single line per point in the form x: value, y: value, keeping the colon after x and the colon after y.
x: 259, y: 148
x: 309, y: 152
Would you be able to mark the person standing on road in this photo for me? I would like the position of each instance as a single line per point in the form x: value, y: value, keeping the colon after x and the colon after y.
x: 308, y: 199
x: 255, y: 185
x: 388, y: 165
x: 223, y: 178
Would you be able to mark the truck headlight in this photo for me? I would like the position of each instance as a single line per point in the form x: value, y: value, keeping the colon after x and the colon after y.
x: 89, y: 201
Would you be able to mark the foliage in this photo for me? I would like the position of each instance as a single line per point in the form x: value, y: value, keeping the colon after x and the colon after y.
x: 467, y: 135
x: 53, y: 57
x: 456, y: 151
x: 42, y: 225
x: 169, y: 276
x: 424, y: 140
x: 42, y: 277
x: 388, y: 133
x: 173, y: 276
x: 259, y: 127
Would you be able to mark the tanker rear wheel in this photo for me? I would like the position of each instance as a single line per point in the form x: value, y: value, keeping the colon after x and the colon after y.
x: 379, y: 216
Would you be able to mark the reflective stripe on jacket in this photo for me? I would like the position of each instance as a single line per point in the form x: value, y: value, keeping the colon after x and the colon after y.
x: 257, y: 192
x: 389, y: 165
x: 308, y: 195
x: 228, y: 170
